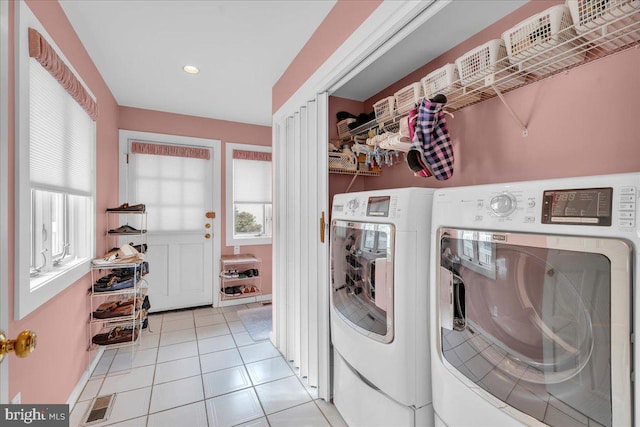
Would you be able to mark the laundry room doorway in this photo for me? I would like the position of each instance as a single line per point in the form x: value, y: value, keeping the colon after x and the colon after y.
x: 178, y: 180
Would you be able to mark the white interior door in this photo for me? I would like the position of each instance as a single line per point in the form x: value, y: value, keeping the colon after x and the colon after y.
x: 4, y: 189
x: 176, y: 182
x: 301, y: 294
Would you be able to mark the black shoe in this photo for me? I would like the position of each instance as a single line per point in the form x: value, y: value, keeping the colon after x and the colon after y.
x: 233, y: 290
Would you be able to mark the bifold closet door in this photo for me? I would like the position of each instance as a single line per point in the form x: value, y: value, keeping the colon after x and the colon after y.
x: 301, y: 300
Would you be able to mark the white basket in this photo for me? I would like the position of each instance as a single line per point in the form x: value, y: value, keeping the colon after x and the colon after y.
x: 343, y: 129
x: 535, y: 38
x: 482, y: 62
x: 384, y: 109
x: 343, y: 161
x: 599, y: 20
x: 408, y: 97
x: 443, y: 80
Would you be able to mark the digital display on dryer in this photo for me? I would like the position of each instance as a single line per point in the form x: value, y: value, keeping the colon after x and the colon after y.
x: 590, y: 206
x: 378, y: 206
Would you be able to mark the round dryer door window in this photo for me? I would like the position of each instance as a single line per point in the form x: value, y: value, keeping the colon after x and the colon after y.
x: 362, y: 277
x: 532, y: 326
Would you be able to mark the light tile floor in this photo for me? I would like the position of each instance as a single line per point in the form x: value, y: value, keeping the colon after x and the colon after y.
x: 202, y: 368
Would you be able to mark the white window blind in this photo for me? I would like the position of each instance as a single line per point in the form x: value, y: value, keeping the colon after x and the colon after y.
x: 60, y: 137
x: 252, y: 181
x: 173, y: 188
x: 249, y: 194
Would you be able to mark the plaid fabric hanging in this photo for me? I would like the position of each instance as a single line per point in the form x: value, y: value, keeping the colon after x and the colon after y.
x: 431, y: 152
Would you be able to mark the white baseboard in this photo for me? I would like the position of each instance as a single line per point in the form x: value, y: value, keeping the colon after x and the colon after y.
x: 266, y: 297
x: 77, y: 391
x: 247, y: 300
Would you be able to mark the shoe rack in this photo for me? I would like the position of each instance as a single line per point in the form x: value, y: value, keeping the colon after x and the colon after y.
x: 118, y: 288
x: 240, y: 277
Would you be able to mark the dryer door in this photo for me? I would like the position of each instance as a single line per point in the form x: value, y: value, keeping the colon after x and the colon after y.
x: 529, y: 319
x: 362, y: 276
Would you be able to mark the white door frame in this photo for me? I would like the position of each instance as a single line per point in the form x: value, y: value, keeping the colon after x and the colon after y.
x: 391, y: 22
x: 216, y: 147
x: 4, y: 190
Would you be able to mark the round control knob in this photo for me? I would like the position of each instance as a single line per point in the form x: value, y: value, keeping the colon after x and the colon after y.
x: 353, y: 204
x: 503, y: 204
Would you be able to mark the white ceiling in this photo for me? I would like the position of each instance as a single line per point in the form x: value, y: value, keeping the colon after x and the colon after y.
x: 242, y: 48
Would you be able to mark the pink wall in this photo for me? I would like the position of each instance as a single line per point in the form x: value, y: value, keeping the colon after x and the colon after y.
x: 50, y: 374
x: 337, y: 26
x: 580, y: 122
x: 177, y: 124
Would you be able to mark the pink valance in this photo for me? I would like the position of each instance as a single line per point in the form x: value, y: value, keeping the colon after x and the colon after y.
x: 41, y: 51
x: 170, y: 150
x: 251, y: 155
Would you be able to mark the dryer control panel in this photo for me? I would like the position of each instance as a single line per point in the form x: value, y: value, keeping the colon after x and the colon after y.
x: 358, y: 206
x: 590, y: 206
x: 603, y: 203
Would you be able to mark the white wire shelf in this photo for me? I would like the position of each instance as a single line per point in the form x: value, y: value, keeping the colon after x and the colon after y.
x: 353, y: 172
x: 577, y: 50
x: 619, y: 34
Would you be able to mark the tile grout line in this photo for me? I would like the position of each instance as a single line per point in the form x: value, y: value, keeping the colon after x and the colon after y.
x: 204, y: 394
x: 201, y: 373
x: 253, y: 386
x: 153, y: 379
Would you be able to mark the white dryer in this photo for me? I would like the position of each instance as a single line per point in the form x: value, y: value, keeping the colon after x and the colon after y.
x: 532, y: 301
x: 379, y: 304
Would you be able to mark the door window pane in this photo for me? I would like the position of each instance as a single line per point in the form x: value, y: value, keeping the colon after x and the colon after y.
x: 173, y: 190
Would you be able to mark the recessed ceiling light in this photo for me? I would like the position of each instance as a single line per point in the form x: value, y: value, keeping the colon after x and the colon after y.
x: 191, y: 69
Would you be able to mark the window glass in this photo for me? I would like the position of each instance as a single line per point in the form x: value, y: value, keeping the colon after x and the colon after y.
x: 249, y: 195
x: 55, y: 177
x: 173, y: 189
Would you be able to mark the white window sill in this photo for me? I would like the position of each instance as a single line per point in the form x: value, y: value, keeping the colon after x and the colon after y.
x: 250, y: 241
x: 62, y: 275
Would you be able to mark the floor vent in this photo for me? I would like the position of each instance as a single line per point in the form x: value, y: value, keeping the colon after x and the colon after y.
x: 100, y: 409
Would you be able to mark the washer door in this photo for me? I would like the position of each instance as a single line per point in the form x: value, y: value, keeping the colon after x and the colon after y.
x: 532, y: 324
x: 362, y: 277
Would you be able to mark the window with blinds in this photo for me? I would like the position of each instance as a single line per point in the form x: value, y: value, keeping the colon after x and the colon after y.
x: 56, y: 169
x: 249, y: 195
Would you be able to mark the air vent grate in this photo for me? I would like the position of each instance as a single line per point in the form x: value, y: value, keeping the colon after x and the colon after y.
x: 100, y: 409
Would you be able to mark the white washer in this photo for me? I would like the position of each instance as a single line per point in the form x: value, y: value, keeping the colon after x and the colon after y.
x: 379, y: 299
x: 532, y: 302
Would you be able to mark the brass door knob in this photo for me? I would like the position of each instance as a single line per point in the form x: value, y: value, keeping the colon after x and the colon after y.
x: 207, y: 236
x: 22, y: 346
